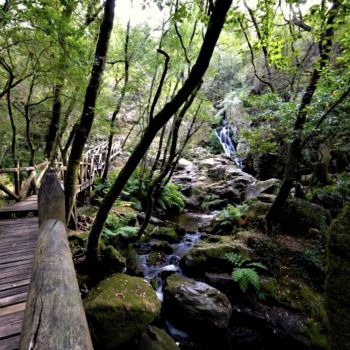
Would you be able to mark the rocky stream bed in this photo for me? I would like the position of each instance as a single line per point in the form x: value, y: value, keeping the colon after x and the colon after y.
x: 178, y: 291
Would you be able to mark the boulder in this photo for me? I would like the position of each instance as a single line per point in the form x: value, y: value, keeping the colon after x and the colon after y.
x: 112, y: 260
x: 195, y: 304
x: 298, y: 216
x: 119, y: 308
x: 255, y: 189
x: 210, y: 257
x: 280, y: 328
x: 168, y: 234
x: 152, y: 338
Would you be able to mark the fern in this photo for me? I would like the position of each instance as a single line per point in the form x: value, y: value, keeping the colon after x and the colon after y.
x: 246, y: 276
x: 244, y: 272
x: 235, y: 258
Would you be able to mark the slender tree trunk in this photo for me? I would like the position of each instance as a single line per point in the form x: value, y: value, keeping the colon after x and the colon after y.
x: 216, y: 22
x: 52, y: 136
x: 88, y: 114
x: 294, y: 151
x: 119, y: 103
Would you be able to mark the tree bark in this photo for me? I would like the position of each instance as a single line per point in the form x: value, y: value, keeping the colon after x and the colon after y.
x: 88, y: 114
x: 216, y: 22
x: 119, y: 103
x: 294, y: 150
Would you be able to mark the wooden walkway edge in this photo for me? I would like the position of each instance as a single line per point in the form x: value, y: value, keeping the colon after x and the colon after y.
x: 17, y: 248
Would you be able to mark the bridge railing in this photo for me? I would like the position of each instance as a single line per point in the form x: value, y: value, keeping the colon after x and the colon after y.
x: 54, y: 317
x: 92, y: 164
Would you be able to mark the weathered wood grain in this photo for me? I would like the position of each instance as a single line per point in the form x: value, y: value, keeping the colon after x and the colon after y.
x: 54, y: 317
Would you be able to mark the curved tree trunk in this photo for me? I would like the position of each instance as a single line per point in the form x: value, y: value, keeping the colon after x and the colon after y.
x: 88, y: 114
x: 216, y: 22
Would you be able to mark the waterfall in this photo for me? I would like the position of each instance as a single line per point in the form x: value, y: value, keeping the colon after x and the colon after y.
x: 223, y: 134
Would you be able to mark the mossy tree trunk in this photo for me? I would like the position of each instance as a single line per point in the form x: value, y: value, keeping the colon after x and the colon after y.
x: 338, y: 281
x: 87, y: 118
x: 216, y: 22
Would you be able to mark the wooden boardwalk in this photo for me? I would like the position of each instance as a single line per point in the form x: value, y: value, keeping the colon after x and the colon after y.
x: 28, y: 205
x: 17, y: 247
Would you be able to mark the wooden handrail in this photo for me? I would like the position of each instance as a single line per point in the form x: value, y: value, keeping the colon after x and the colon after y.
x: 54, y: 317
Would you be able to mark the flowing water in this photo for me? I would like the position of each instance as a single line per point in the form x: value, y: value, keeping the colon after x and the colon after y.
x: 191, y: 222
x: 224, y: 135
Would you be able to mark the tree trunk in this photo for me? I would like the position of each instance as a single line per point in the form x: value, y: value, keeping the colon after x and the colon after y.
x: 216, y: 22
x: 119, y: 103
x: 88, y: 114
x: 338, y: 280
x: 294, y: 152
x: 52, y: 136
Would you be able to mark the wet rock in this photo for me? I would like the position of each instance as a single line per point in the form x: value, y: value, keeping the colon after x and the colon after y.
x: 119, y: 308
x: 246, y: 339
x: 195, y: 304
x: 210, y: 257
x: 168, y: 234
x: 255, y: 189
x: 112, y: 260
x: 152, y: 338
x: 278, y: 327
x: 162, y: 246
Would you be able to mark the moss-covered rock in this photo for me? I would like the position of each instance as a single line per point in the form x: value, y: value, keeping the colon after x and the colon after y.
x: 162, y: 246
x: 119, y: 308
x: 152, y: 339
x: 111, y: 260
x: 298, y: 216
x: 338, y: 280
x: 210, y: 257
x: 168, y: 234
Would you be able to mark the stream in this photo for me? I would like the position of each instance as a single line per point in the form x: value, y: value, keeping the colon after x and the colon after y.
x: 155, y: 274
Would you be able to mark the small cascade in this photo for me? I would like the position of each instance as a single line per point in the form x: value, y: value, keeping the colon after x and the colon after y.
x: 171, y: 264
x: 224, y: 135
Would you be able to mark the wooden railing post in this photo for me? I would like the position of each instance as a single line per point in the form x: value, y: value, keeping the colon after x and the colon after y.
x: 54, y: 317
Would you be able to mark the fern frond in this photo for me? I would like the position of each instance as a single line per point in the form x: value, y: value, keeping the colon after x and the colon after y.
x: 245, y: 277
x: 235, y: 258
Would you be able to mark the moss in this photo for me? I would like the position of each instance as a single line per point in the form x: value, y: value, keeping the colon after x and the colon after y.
x: 168, y: 234
x: 112, y: 260
x: 296, y: 295
x: 338, y: 280
x: 316, y: 334
x: 119, y: 308
x: 154, y: 339
x: 298, y: 216
x: 210, y: 257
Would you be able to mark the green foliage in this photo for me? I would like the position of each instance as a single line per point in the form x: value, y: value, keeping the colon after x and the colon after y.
x: 245, y: 271
x: 117, y: 226
x: 231, y: 214
x: 214, y: 146
x: 171, y: 198
x: 271, y: 122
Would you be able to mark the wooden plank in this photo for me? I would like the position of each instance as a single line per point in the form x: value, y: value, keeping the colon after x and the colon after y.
x: 13, y: 250
x: 14, y: 284
x: 10, y: 343
x: 8, y: 310
x: 28, y: 265
x: 14, y: 279
x: 13, y: 291
x: 21, y: 271
x: 13, y: 299
x: 16, y: 258
x: 16, y: 263
x: 12, y: 317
